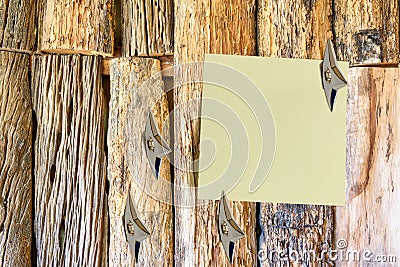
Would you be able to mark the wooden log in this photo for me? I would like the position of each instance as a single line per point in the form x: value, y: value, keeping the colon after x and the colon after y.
x: 40, y: 10
x: 147, y: 27
x: 366, y: 30
x: 369, y: 221
x: 84, y: 27
x: 232, y: 27
x: 18, y: 25
x: 297, y: 29
x: 137, y: 87
x: 226, y: 27
x: 70, y: 172
x: 15, y: 160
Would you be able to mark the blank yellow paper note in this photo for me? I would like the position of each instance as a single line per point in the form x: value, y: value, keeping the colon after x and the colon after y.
x: 267, y: 133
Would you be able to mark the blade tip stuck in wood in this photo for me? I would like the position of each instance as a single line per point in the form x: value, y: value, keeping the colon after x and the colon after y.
x: 332, y: 78
x: 135, y: 230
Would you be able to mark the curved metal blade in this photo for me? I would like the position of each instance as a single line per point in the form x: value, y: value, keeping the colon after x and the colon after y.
x: 332, y: 78
x: 156, y: 147
x: 229, y: 230
x: 135, y: 230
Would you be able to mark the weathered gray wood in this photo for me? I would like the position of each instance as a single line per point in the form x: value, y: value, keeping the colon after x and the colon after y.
x: 297, y: 29
x: 15, y: 160
x: 70, y: 162
x: 137, y: 87
x: 366, y: 31
x: 297, y: 229
x: 147, y: 27
x: 84, y: 27
x: 40, y: 10
x: 369, y: 221
x: 18, y: 25
x: 226, y: 27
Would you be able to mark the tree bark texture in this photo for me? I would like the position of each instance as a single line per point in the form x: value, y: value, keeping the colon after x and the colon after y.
x: 368, y: 221
x: 226, y: 27
x: 15, y: 160
x: 137, y: 88
x: 294, y: 29
x: 367, y: 31
x: 70, y: 162
x: 18, y: 25
x: 84, y: 27
x: 298, y: 29
x: 147, y: 27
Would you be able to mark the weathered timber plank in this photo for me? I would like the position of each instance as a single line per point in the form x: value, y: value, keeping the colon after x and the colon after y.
x: 147, y: 27
x: 137, y: 87
x: 70, y: 162
x: 294, y: 29
x: 15, y: 160
x: 232, y: 27
x: 18, y: 25
x: 71, y: 27
x: 369, y: 221
x: 40, y: 10
x: 366, y: 31
x: 297, y: 29
x: 226, y: 27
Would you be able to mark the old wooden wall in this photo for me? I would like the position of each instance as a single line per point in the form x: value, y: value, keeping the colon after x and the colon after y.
x: 299, y: 32
x: 70, y: 147
x: 137, y: 88
x: 53, y: 208
x: 17, y: 41
x: 205, y: 27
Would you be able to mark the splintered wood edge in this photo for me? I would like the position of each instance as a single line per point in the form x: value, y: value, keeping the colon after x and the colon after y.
x: 165, y: 61
x: 75, y: 52
x: 377, y: 65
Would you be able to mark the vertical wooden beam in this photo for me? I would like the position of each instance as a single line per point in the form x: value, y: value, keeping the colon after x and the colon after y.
x: 369, y: 221
x: 232, y: 27
x: 296, y: 29
x: 147, y: 27
x: 137, y: 87
x: 18, y: 25
x: 84, y: 27
x: 226, y: 27
x: 371, y: 35
x: 367, y: 31
x: 15, y: 161
x: 70, y: 162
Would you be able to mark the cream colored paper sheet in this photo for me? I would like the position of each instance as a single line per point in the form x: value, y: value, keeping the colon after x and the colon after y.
x: 267, y: 134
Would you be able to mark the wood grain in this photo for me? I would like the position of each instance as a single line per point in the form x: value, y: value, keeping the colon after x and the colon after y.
x: 84, y: 27
x: 232, y: 27
x: 147, y: 27
x: 137, y: 87
x: 366, y: 31
x: 368, y: 221
x: 226, y: 27
x: 70, y: 162
x: 296, y: 29
x: 15, y: 161
x: 18, y: 25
